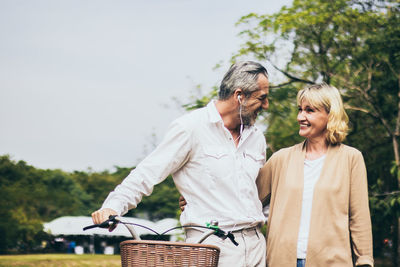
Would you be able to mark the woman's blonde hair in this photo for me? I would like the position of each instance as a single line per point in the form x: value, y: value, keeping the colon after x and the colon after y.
x: 328, y: 97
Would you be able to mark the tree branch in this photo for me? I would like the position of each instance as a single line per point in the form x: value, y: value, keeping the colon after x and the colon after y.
x: 291, y: 77
x: 281, y: 85
x: 385, y: 194
x: 358, y: 109
x: 375, y: 110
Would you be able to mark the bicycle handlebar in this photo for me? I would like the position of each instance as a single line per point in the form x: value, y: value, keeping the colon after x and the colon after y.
x: 214, y: 229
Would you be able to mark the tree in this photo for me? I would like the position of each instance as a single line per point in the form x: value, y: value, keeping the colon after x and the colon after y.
x: 19, y: 189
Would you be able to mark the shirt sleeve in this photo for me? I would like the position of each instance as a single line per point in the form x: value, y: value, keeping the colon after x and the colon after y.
x: 169, y: 156
x: 360, y: 220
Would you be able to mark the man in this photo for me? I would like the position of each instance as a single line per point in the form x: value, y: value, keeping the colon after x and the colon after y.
x: 214, y: 155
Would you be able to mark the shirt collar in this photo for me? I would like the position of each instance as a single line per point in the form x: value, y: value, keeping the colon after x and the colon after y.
x: 213, y: 112
x: 215, y: 117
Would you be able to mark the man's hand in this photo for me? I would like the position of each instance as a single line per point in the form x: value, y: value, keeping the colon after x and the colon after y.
x: 102, y: 215
x: 182, y: 203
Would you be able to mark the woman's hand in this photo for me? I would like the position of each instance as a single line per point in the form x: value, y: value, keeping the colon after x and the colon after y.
x: 182, y: 203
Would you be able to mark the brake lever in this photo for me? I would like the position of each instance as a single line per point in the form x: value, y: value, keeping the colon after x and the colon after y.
x: 232, y: 238
x: 113, y: 222
x: 222, y: 234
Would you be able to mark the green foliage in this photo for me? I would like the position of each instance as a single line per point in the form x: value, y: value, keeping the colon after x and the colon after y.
x: 18, y: 189
x: 61, y: 195
x: 96, y: 186
x: 32, y: 196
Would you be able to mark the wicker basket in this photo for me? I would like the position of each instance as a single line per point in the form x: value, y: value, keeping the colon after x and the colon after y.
x: 142, y: 253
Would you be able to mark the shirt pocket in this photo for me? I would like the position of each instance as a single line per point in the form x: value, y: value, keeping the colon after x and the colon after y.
x: 253, y: 161
x: 217, y: 163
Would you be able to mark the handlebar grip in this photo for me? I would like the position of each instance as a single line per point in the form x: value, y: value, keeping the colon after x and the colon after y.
x: 105, y: 224
x: 90, y: 227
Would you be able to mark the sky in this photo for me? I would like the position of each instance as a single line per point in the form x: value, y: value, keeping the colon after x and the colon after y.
x: 93, y: 84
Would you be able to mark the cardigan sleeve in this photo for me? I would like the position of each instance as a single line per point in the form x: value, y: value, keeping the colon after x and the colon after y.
x: 264, y: 181
x: 360, y: 220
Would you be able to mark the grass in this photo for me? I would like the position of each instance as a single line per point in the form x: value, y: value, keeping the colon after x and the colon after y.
x: 66, y: 260
x: 59, y: 260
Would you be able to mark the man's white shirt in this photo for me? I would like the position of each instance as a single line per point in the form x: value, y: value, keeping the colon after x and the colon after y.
x: 216, y: 178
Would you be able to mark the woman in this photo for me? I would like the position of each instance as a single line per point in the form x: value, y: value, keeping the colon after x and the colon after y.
x: 317, y: 191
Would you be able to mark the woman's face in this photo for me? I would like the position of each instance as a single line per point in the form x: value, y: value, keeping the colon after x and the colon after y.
x: 312, y: 121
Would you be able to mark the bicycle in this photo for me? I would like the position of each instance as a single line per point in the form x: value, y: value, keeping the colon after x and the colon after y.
x: 153, y: 253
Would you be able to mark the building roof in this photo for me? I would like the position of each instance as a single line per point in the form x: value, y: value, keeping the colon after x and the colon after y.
x: 73, y: 225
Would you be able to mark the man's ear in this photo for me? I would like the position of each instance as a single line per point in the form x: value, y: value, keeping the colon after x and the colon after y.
x: 238, y: 95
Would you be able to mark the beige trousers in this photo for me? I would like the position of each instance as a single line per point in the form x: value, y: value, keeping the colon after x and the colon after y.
x: 249, y: 253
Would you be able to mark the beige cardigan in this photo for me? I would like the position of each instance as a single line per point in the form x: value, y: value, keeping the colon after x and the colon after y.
x: 340, y: 218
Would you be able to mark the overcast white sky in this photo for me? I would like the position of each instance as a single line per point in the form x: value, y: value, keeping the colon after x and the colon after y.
x: 86, y: 83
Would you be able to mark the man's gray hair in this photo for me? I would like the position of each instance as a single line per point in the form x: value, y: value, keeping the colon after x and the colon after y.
x: 241, y: 75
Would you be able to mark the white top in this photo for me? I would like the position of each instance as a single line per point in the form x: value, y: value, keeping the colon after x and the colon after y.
x: 312, y: 171
x: 216, y: 178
